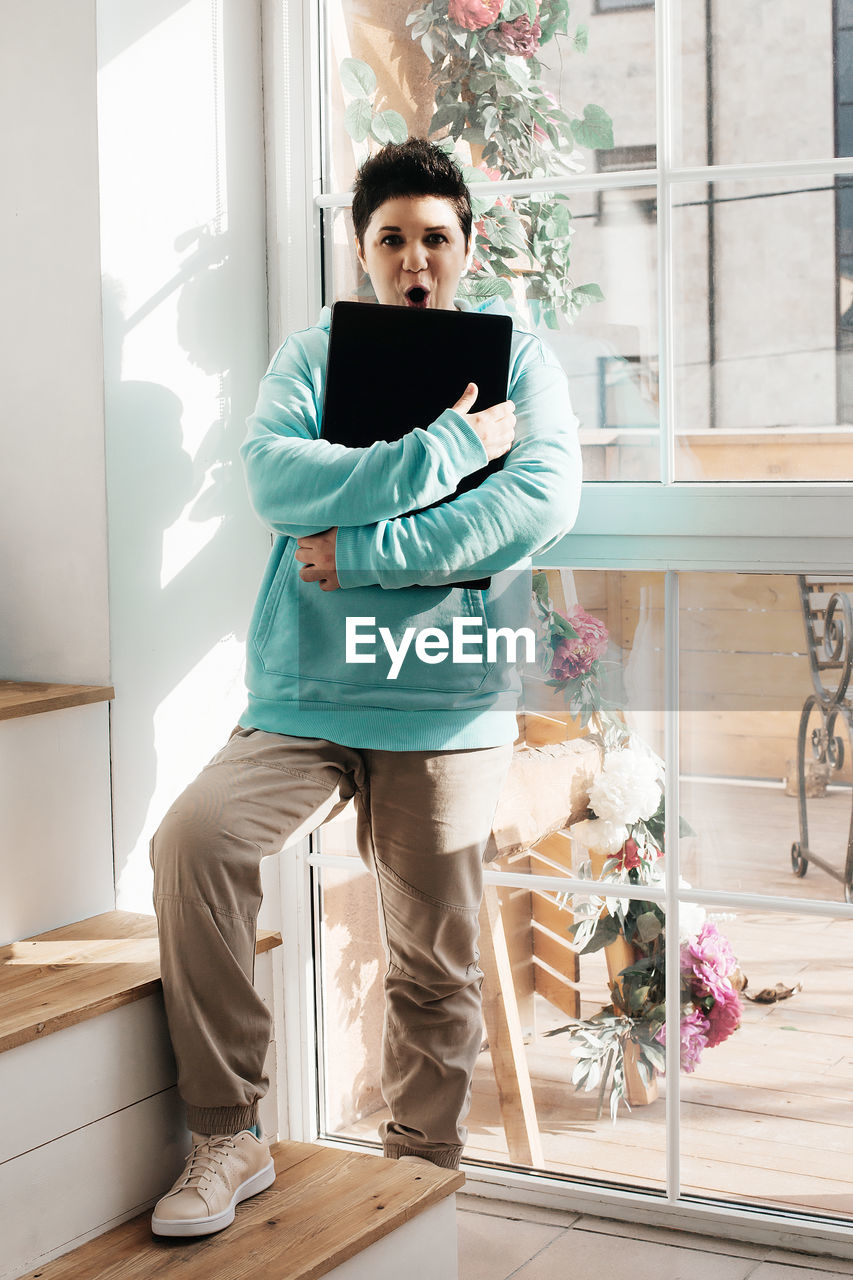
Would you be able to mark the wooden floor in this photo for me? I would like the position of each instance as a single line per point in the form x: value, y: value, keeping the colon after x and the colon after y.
x: 766, y: 1117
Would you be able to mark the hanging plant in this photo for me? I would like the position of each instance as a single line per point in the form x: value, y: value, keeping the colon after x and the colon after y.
x: 489, y: 93
x: 361, y: 119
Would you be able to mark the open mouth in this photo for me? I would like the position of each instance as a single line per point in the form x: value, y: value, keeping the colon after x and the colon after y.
x: 417, y: 296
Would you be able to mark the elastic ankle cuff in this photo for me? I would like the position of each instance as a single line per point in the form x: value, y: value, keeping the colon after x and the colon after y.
x: 444, y: 1157
x: 208, y: 1120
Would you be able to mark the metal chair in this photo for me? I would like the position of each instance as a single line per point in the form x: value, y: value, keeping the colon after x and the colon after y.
x: 828, y: 616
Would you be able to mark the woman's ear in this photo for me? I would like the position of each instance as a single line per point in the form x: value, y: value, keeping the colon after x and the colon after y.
x: 360, y: 255
x: 469, y: 257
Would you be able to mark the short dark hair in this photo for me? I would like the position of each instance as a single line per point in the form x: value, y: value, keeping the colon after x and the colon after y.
x: 411, y: 168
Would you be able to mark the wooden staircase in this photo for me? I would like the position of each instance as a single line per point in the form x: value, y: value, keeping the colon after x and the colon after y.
x: 342, y: 1214
x: 93, y: 1131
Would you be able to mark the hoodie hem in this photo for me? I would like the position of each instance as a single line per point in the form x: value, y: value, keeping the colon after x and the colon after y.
x: 383, y: 728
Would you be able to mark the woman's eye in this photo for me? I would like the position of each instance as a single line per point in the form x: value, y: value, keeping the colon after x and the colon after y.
x: 437, y: 238
x: 390, y: 240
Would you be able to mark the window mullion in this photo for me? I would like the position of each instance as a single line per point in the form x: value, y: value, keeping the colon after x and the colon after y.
x: 665, y: 70
x: 671, y: 864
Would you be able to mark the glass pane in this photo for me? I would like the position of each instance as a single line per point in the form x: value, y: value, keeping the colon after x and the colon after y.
x: 764, y: 1105
x: 609, y: 351
x: 759, y: 303
x: 753, y: 732
x: 608, y: 681
x: 773, y: 85
x: 502, y: 87
x: 517, y: 95
x: 554, y: 995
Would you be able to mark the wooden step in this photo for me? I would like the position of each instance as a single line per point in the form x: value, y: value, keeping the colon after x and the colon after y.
x: 27, y: 698
x: 84, y: 969
x: 326, y: 1207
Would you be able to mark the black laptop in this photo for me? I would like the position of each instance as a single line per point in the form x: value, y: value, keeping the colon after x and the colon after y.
x: 391, y: 369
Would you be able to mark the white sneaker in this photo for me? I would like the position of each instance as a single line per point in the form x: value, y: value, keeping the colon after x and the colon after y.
x: 219, y: 1173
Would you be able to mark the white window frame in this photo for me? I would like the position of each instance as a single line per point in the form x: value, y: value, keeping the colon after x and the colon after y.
x: 666, y: 526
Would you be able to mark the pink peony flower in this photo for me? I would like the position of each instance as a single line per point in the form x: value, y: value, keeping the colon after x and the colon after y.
x: 473, y: 14
x: 573, y: 658
x: 694, y: 1038
x: 518, y: 37
x: 711, y: 959
x: 724, y: 1017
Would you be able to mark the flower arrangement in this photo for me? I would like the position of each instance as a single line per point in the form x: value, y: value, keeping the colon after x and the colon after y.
x: 486, y: 67
x: 623, y: 836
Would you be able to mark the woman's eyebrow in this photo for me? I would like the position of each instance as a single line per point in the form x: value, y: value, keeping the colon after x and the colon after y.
x: 441, y: 228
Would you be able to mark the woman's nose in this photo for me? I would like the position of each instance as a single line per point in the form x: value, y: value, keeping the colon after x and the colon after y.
x: 414, y: 257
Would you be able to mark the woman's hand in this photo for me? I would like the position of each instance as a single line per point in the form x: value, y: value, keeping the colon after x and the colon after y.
x: 317, y: 553
x: 495, y: 426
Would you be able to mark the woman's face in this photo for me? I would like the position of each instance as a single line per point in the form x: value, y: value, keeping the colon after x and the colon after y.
x: 414, y: 252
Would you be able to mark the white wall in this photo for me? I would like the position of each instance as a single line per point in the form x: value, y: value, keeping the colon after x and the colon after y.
x: 53, y: 553
x: 55, y: 839
x: 182, y: 219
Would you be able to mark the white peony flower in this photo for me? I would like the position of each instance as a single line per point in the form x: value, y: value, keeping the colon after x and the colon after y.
x: 599, y: 836
x: 691, y: 916
x: 627, y: 788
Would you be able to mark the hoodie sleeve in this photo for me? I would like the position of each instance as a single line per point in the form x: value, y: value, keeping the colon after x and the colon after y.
x: 516, y: 512
x: 300, y: 484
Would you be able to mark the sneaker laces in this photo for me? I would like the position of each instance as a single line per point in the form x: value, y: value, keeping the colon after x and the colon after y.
x: 206, y: 1159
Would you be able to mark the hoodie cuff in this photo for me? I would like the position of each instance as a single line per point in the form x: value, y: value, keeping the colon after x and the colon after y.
x: 351, y: 555
x: 463, y: 450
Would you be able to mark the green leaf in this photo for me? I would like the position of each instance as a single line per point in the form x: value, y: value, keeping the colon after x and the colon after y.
x: 654, y: 1055
x: 357, y: 118
x: 445, y: 115
x: 649, y: 926
x: 540, y: 588
x: 595, y: 130
x: 358, y: 78
x: 580, y: 1073
x: 607, y: 931
x: 488, y: 287
x: 581, y: 41
x: 389, y: 126
x: 482, y: 82
x: 584, y: 294
x: 480, y: 206
x: 517, y: 71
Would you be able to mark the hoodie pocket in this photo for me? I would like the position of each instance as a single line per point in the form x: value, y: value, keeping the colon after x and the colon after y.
x: 303, y: 633
x: 271, y: 604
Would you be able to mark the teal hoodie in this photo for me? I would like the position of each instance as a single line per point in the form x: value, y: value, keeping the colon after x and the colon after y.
x: 397, y: 563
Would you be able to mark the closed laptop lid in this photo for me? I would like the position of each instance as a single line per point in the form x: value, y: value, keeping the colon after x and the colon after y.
x: 391, y: 369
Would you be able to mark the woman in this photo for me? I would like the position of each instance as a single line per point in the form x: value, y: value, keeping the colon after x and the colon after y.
x: 423, y: 755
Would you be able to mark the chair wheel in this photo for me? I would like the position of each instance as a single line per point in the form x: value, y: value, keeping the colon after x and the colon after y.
x: 799, y: 864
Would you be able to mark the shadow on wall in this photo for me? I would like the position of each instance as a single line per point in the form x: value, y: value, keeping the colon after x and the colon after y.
x: 166, y: 620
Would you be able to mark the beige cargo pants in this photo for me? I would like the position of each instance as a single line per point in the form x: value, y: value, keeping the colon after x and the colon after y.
x: 423, y: 819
